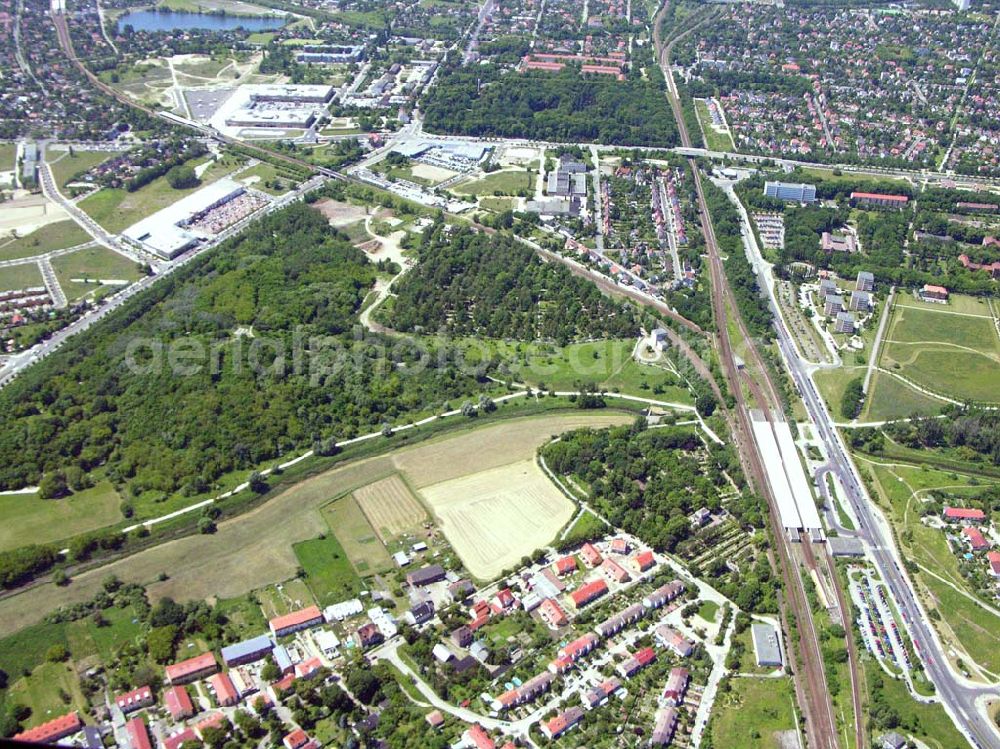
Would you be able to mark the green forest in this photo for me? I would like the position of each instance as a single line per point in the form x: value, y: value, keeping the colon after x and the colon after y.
x: 242, y: 356
x: 470, y: 283
x: 566, y: 107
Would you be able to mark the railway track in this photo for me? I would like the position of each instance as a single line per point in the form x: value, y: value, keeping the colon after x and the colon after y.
x: 810, y: 683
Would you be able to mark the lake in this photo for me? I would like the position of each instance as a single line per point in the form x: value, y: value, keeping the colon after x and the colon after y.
x: 151, y: 20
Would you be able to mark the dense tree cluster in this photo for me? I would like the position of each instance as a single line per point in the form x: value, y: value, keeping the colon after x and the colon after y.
x: 240, y: 357
x: 975, y: 429
x: 483, y: 100
x: 850, y: 402
x: 471, y: 283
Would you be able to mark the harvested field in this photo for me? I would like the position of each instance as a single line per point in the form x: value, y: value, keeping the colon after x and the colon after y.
x: 451, y: 457
x: 495, y: 517
x: 390, y: 507
x: 433, y: 173
x: 340, y: 214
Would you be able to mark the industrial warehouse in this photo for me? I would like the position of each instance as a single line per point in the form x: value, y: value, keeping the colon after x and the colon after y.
x: 194, y: 218
x: 272, y: 106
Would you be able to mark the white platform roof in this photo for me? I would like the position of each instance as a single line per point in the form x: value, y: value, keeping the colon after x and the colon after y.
x: 776, y: 478
x: 797, y: 480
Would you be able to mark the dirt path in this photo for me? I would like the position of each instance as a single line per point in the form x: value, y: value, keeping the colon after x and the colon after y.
x: 389, y: 249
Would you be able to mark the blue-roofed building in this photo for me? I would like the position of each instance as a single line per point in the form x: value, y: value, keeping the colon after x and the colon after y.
x: 247, y: 651
x: 282, y: 659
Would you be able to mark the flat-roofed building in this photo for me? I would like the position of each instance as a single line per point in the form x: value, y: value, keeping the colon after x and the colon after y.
x: 844, y: 323
x: 861, y: 301
x: 866, y: 281
x: 766, y: 646
x: 800, y: 193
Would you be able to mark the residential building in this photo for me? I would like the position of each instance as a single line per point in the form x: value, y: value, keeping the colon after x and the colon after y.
x: 134, y: 700
x: 368, y: 635
x: 296, y: 621
x: 422, y: 612
x: 179, y: 739
x: 461, y: 590
x: 579, y: 647
x: 53, y: 730
x: 308, y: 668
x: 861, y: 301
x: 879, y: 199
x: 664, y: 726
x: 178, y: 703
x: 425, y: 575
x: 434, y: 719
x: 993, y: 557
x: 615, y: 624
x: 225, y: 693
x: 192, y: 669
x: 247, y: 651
x: 932, y: 293
x: 441, y: 653
x: 800, y: 193
x: 344, y: 610
x: 599, y: 694
x: 620, y: 546
x: 844, y: 323
x: 295, y: 739
x: 992, y: 268
x: 589, y: 592
x: 827, y: 286
x: 642, y: 561
x: 565, y: 565
x: 977, y: 542
x: 765, y: 645
x: 552, y: 614
x: 462, y: 636
x: 866, y: 281
x: 663, y: 595
x: 591, y: 556
x: 891, y: 741
x: 636, y: 662
x: 677, y: 684
x: 838, y: 242
x: 672, y: 639
x: 833, y: 304
x: 476, y: 735
x: 615, y: 571
x: 138, y: 734
x: 963, y: 515
x: 564, y: 721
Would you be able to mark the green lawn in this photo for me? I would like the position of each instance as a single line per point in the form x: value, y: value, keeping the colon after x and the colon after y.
x: 266, y: 173
x: 116, y: 210
x: 65, y: 166
x: 714, y: 140
x: 88, y: 641
x: 831, y: 384
x: 23, y: 650
x: 890, y: 398
x: 708, y: 610
x: 927, y: 722
x: 499, y: 183
x: 8, y: 153
x: 329, y: 574
x: 753, y: 714
x: 352, y: 529
x: 586, y: 526
x: 243, y: 615
x: 26, y: 276
x: 55, y: 236
x: 608, y: 363
x: 496, y: 204
x: 43, y: 520
x: 92, y: 263
x: 53, y: 689
x: 957, y: 355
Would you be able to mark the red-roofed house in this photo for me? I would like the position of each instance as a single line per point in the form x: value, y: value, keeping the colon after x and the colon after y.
x: 225, y: 693
x: 619, y: 546
x: 295, y: 739
x: 976, y: 539
x: 963, y: 514
x: 175, y: 741
x: 875, y: 198
x: 434, y: 719
x: 504, y: 601
x: 677, y: 684
x: 178, y: 703
x: 642, y: 561
x: 993, y: 557
x: 215, y: 720
x: 560, y: 665
x: 138, y: 734
x: 134, y: 700
x: 556, y: 727
x: 552, y: 614
x: 565, y: 565
x: 295, y: 621
x: 192, y: 669
x: 615, y: 571
x: 591, y: 556
x: 305, y: 669
x: 479, y: 738
x: 53, y: 730
x: 579, y: 647
x: 932, y: 293
x: 589, y: 592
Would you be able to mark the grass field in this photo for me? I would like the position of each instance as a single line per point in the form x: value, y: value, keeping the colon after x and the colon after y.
x: 92, y: 263
x: 91, y: 644
x: 26, y: 276
x: 499, y: 183
x: 928, y: 723
x: 951, y: 350
x: 266, y: 173
x: 67, y: 165
x: 831, y: 384
x: 46, y: 692
x: 8, y: 153
x: 498, y: 205
x: 244, y: 616
x: 55, y: 236
x: 708, y: 610
x: 890, y: 398
x: 494, y: 517
x: 284, y: 597
x: 715, y: 140
x: 357, y: 536
x: 116, y: 210
x: 329, y: 574
x: 754, y: 714
x: 390, y: 507
x: 43, y: 520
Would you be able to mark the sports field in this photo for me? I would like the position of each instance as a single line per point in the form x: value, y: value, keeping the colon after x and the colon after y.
x: 493, y: 518
x: 390, y: 507
x: 511, y: 182
x: 951, y: 350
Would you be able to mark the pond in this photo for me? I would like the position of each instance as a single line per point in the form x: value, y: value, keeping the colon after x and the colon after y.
x: 153, y: 20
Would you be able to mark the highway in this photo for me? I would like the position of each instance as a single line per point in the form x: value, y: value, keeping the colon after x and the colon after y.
x: 958, y: 694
